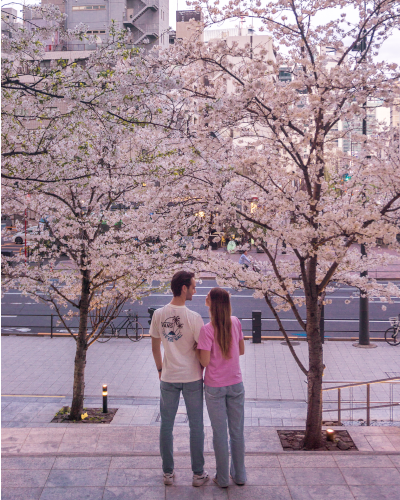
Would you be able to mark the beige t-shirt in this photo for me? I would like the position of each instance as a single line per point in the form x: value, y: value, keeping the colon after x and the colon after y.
x: 179, y: 328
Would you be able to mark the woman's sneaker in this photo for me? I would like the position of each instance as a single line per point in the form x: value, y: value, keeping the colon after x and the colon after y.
x: 169, y: 478
x: 216, y: 481
x: 200, y: 479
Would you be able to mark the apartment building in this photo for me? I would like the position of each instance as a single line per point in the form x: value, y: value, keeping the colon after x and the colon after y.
x: 11, y: 22
x: 146, y: 21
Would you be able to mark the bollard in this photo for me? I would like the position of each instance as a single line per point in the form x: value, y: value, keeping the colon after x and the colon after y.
x: 105, y: 409
x: 256, y: 327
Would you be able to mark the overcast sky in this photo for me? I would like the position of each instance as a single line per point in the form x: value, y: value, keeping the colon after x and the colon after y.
x: 390, y: 50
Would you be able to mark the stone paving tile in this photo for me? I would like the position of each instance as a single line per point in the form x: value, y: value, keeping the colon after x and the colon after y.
x: 26, y: 463
x: 74, y: 493
x: 294, y: 460
x: 47, y: 440
x: 134, y: 477
x: 24, y: 478
x: 116, y: 440
x: 148, y: 462
x: 265, y: 477
x: 258, y: 492
x: 313, y: 476
x: 381, y: 492
x: 321, y: 492
x: 82, y: 463
x: 369, y: 475
x: 376, y: 461
x: 134, y: 493
x: 182, y: 492
x: 380, y: 442
x: 395, y: 459
x: 70, y: 477
x: 11, y: 442
x: 76, y: 439
x: 21, y: 493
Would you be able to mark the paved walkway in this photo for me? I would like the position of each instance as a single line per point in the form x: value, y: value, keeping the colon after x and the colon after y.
x: 44, y: 366
x: 48, y: 461
x: 103, y: 463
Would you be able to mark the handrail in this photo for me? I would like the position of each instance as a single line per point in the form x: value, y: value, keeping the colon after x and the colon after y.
x: 368, y: 407
x: 356, y: 384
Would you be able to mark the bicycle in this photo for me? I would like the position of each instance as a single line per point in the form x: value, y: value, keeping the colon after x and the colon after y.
x: 392, y: 336
x: 129, y: 326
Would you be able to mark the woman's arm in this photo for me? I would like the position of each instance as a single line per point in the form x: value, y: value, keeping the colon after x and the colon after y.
x: 204, y: 357
x: 241, y: 347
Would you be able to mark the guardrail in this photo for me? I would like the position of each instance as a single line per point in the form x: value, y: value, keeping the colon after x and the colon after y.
x: 380, y: 404
x: 52, y: 326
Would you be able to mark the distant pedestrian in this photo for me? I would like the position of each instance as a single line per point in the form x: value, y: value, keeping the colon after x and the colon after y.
x: 244, y: 259
x: 178, y: 328
x: 220, y: 345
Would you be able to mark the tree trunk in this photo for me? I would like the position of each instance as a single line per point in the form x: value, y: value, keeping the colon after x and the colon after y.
x: 313, y: 438
x: 81, y: 350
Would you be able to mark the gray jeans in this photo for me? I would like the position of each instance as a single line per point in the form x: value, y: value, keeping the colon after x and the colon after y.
x: 169, y: 402
x: 226, y: 405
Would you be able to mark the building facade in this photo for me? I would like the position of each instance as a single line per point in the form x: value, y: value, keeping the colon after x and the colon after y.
x: 147, y: 21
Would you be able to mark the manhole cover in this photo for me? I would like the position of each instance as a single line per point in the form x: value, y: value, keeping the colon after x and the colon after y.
x: 293, y: 343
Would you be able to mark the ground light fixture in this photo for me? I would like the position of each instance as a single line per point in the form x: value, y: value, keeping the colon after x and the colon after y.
x: 330, y: 434
x: 105, y: 393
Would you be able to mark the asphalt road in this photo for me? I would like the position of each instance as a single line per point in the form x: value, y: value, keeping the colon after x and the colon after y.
x: 23, y: 315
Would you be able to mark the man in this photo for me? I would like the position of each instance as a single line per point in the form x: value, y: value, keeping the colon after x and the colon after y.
x: 178, y: 328
x: 244, y: 260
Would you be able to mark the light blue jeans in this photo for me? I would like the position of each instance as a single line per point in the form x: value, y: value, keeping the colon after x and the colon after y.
x: 169, y: 402
x: 226, y: 405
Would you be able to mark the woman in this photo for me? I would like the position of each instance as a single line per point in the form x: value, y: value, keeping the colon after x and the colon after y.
x: 219, y: 347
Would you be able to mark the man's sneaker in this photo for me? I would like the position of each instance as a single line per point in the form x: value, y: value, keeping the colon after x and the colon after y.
x: 169, y: 478
x: 199, y: 479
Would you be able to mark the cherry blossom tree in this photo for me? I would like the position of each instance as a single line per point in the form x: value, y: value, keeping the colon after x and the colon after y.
x: 270, y: 161
x: 109, y: 225
x: 81, y: 143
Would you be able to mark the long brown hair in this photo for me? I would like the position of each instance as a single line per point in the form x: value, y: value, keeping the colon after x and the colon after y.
x: 220, y: 312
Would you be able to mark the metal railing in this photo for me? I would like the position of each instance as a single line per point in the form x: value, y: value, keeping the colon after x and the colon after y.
x: 367, y: 402
x: 269, y: 326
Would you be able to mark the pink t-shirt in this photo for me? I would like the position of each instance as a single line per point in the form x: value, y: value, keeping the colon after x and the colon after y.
x: 221, y: 372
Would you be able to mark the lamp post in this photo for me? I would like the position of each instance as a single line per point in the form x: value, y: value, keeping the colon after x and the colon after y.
x: 363, y: 323
x: 105, y: 409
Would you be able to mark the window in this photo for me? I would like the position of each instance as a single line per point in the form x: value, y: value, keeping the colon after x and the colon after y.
x: 89, y: 7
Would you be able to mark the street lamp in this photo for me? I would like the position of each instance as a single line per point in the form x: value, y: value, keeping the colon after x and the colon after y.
x: 363, y: 328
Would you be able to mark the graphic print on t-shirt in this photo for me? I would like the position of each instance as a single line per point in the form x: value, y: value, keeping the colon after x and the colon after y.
x: 172, y: 328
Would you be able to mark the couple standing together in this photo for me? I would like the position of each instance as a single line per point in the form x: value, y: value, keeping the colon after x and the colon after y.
x: 189, y: 345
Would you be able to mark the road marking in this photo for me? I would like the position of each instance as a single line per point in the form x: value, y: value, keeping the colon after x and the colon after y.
x: 8, y: 316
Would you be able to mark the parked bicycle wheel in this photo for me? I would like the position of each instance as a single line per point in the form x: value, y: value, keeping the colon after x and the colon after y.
x: 133, y: 330
x: 108, y: 334
x: 392, y: 336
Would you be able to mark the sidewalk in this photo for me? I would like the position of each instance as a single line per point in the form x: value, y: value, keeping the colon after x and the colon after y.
x: 106, y: 463
x: 49, y: 461
x: 276, y: 389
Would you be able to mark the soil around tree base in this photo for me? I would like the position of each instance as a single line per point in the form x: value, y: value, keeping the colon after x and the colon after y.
x: 94, y: 416
x: 294, y: 441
